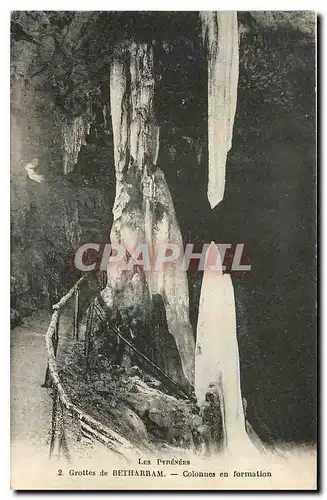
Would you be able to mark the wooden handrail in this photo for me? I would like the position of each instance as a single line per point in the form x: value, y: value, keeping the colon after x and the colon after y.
x: 99, y: 431
x: 63, y: 301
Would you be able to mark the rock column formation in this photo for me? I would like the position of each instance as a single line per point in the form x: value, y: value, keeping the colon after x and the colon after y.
x: 143, y: 209
x: 217, y: 366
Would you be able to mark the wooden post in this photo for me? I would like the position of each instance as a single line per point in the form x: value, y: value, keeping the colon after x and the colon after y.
x: 88, y: 333
x: 58, y: 444
x: 88, y: 317
x: 55, y: 339
x: 76, y: 314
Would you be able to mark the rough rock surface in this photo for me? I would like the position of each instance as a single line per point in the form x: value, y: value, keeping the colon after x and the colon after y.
x: 131, y: 401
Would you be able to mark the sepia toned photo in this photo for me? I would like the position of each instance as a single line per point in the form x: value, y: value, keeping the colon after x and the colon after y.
x: 163, y: 250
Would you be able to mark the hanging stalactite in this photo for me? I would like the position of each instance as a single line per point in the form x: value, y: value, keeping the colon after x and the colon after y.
x: 74, y: 134
x: 220, y: 36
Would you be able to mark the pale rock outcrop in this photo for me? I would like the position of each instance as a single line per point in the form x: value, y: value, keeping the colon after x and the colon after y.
x: 217, y: 365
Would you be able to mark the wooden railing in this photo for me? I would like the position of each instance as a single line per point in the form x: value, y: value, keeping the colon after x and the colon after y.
x: 62, y: 406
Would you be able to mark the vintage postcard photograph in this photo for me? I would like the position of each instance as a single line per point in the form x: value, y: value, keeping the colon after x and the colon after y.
x: 163, y: 250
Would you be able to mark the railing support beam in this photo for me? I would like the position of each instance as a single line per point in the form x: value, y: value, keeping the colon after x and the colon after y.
x: 58, y: 444
x: 76, y: 313
x: 47, y: 379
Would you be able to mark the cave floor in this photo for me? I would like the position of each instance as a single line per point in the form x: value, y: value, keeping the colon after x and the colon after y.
x: 31, y: 404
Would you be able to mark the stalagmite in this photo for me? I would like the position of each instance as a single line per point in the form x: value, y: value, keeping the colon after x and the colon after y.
x: 220, y: 36
x: 171, y: 282
x: 143, y: 209
x: 217, y: 366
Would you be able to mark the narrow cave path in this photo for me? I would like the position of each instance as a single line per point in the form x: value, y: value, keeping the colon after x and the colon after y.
x: 31, y: 404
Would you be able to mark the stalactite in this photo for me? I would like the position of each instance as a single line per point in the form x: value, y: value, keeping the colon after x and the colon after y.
x: 220, y: 36
x: 143, y: 209
x: 74, y: 135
